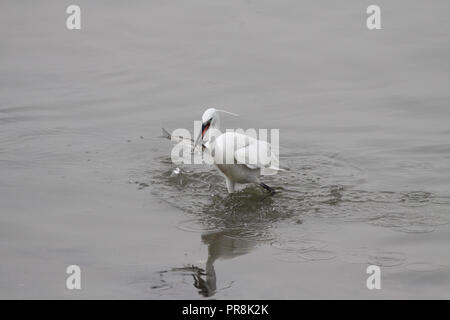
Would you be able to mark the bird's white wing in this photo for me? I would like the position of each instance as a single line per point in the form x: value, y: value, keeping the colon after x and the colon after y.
x: 257, y: 154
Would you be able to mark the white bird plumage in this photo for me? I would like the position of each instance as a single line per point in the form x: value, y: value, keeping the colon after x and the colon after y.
x: 249, y: 156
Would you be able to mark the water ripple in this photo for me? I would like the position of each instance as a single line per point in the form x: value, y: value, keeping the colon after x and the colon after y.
x: 317, y: 185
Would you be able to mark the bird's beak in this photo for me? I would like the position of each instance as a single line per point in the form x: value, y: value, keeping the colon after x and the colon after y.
x: 205, y: 127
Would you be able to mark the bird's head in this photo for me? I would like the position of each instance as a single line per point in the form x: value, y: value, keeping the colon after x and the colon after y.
x: 210, y: 119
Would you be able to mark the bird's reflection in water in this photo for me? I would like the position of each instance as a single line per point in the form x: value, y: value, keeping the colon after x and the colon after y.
x: 245, y: 219
x: 240, y: 222
x: 222, y: 244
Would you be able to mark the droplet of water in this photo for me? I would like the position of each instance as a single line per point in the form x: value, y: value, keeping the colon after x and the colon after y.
x: 175, y: 172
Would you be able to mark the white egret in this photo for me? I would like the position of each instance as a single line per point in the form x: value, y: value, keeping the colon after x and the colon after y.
x: 239, y: 157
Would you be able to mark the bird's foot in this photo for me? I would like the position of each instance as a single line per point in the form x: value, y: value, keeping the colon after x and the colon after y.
x: 265, y: 186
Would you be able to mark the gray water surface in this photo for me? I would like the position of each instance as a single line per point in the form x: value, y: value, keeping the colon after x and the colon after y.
x: 364, y: 119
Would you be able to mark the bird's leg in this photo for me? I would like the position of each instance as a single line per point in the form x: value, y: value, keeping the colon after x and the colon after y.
x: 265, y: 186
x: 230, y: 185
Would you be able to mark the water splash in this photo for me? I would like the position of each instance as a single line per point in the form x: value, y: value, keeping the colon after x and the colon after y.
x: 317, y: 185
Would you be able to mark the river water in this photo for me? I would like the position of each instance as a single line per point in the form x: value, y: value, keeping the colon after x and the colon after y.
x: 364, y: 120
